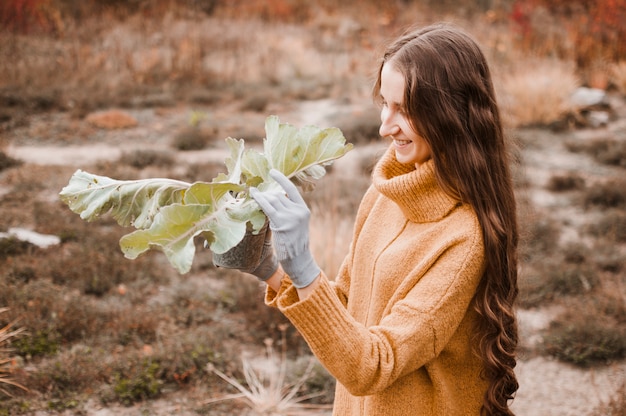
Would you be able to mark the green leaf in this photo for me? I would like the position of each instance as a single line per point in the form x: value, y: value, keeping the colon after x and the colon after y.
x: 169, y: 214
x: 246, y: 166
x: 255, y: 167
x: 133, y: 203
x: 221, y: 221
x: 302, y: 154
x: 233, y: 163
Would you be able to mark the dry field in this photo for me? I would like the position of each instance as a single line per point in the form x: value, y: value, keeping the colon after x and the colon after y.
x: 153, y: 92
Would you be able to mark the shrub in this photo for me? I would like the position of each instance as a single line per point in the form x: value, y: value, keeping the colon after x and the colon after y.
x: 183, y: 359
x: 58, y: 405
x: 42, y: 342
x: 142, y: 158
x: 12, y: 246
x: 136, y: 328
x: 78, y: 368
x: 77, y: 318
x: 565, y: 182
x: 612, y: 152
x: 256, y: 102
x: 607, y: 151
x: 573, y: 279
x: 609, y: 194
x: 192, y: 138
x: 242, y: 294
x: 587, y: 338
x: 138, y: 383
x: 203, y: 171
x: 7, y: 162
x: 612, y: 226
x: 551, y: 280
x: 607, y: 256
x: 540, y: 238
x: 20, y: 274
x: 575, y: 253
x: 106, y: 267
x: 58, y: 315
x: 607, y: 301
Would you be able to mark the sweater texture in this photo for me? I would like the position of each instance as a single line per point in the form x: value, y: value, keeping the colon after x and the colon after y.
x: 395, y: 327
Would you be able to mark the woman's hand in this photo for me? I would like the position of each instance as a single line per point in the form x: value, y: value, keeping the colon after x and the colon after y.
x: 289, y: 222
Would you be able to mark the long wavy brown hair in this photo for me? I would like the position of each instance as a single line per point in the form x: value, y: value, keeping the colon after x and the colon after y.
x: 450, y: 101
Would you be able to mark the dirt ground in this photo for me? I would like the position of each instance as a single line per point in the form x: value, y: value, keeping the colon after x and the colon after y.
x: 547, y: 387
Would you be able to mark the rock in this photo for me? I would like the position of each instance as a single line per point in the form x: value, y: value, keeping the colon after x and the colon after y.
x: 32, y: 237
x: 590, y: 107
x: 598, y: 118
x: 584, y: 98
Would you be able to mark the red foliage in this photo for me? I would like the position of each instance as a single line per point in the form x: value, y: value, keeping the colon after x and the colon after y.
x: 595, y: 28
x: 521, y: 16
x: 269, y: 10
x: 24, y: 16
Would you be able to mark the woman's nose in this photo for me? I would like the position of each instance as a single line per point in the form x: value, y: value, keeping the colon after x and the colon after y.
x: 388, y: 127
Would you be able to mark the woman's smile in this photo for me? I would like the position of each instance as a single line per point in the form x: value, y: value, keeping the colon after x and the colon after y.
x: 401, y: 143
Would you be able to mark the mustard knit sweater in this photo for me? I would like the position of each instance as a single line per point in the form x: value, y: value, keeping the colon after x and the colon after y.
x: 395, y: 326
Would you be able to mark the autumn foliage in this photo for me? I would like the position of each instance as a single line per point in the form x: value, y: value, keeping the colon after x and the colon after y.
x: 25, y: 16
x: 587, y: 31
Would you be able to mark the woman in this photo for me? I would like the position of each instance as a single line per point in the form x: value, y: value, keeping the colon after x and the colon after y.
x: 420, y: 319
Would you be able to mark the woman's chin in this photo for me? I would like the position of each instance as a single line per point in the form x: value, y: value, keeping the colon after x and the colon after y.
x: 403, y: 157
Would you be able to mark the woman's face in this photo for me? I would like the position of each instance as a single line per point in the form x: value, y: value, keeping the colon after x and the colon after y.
x: 410, y: 147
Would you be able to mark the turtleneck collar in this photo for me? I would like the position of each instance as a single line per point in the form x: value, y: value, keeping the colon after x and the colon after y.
x: 415, y: 190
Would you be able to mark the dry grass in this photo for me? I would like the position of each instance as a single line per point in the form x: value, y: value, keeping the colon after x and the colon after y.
x: 125, y: 64
x: 115, y: 65
x: 618, y: 76
x: 535, y: 92
x: 267, y: 390
x: 333, y: 204
x: 7, y: 333
x: 616, y: 406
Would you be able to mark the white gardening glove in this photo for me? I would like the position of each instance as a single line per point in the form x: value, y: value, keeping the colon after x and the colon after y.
x: 289, y: 222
